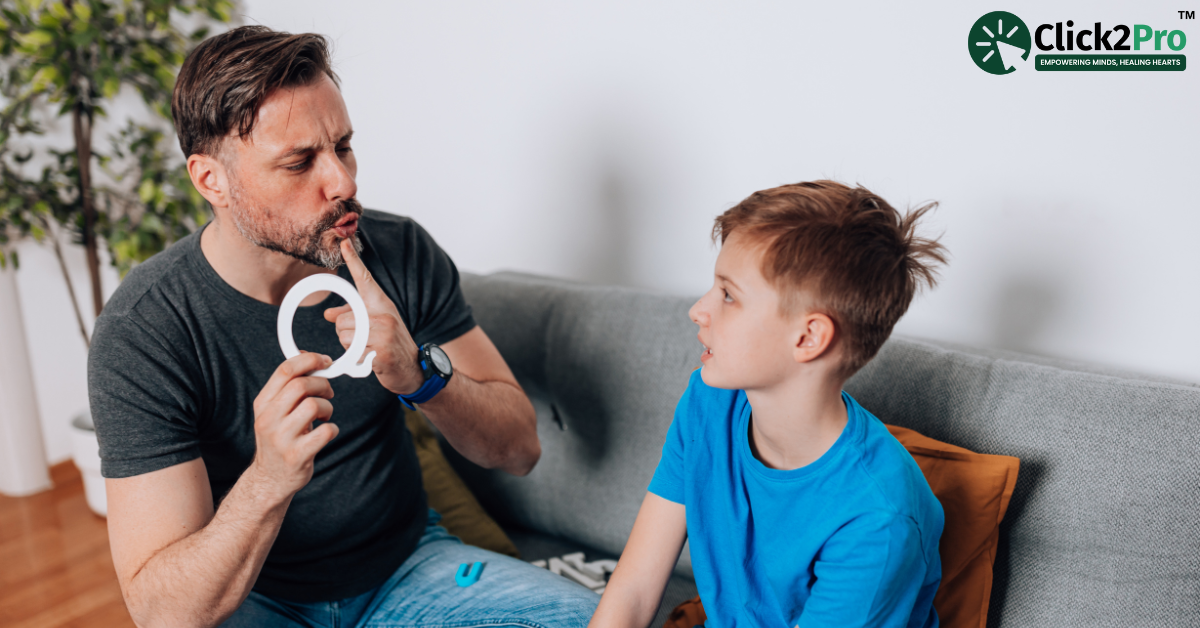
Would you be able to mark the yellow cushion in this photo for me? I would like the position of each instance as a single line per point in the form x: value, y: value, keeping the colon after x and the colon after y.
x: 461, y: 513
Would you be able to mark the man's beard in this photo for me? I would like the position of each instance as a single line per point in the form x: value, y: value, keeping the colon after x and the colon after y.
x: 262, y: 228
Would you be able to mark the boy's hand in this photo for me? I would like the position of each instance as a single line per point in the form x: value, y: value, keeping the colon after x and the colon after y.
x: 395, y: 361
x: 635, y: 589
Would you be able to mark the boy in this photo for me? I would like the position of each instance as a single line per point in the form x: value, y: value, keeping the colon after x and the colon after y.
x: 801, y: 508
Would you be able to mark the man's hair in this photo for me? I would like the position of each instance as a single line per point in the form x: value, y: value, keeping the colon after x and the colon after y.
x: 846, y: 249
x: 225, y: 79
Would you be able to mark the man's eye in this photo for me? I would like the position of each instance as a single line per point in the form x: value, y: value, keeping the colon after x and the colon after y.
x: 344, y: 150
x: 298, y: 167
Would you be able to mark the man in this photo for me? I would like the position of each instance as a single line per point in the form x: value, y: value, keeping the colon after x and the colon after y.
x: 242, y: 489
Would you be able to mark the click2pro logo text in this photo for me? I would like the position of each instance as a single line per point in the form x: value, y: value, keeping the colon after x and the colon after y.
x: 1000, y: 43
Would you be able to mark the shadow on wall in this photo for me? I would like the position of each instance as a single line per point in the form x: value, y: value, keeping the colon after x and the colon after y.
x: 611, y: 245
x: 1025, y: 308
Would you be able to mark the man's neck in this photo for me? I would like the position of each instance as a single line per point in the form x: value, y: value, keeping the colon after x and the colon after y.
x: 796, y: 421
x: 259, y: 273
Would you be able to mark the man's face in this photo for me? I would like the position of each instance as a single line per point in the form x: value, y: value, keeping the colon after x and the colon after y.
x: 748, y: 343
x: 292, y: 184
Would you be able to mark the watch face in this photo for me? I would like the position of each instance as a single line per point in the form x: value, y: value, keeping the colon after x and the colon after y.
x: 441, y: 362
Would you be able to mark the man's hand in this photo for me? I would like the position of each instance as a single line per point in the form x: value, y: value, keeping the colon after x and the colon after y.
x: 182, y: 564
x: 283, y: 415
x: 395, y: 361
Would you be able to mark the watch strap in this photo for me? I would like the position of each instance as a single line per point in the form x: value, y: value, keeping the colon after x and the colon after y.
x: 431, y: 387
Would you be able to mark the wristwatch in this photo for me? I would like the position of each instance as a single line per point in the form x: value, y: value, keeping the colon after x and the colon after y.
x: 435, y: 364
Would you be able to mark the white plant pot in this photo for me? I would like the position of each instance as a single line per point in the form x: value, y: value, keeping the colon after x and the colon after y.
x: 85, y: 450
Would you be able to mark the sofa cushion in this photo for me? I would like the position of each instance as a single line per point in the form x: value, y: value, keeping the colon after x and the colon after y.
x: 604, y: 368
x: 1101, y: 527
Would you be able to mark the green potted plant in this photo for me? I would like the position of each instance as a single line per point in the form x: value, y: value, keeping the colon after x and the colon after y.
x: 68, y: 59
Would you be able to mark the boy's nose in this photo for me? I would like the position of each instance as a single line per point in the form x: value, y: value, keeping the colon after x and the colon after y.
x: 697, y: 313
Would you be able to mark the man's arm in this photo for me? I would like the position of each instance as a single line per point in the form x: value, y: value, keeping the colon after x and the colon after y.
x: 500, y: 426
x: 636, y: 587
x: 482, y: 411
x: 181, y: 564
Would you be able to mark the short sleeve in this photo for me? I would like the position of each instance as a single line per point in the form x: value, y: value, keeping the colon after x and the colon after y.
x: 668, y: 480
x: 142, y: 399
x: 870, y: 573
x: 424, y: 276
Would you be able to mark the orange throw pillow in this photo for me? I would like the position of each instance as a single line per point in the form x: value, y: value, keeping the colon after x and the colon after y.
x: 974, y: 490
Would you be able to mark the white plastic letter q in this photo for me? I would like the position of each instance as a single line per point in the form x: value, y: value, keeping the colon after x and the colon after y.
x: 348, y: 364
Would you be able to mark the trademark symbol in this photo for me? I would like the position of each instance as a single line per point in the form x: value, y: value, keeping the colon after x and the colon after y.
x: 1187, y: 15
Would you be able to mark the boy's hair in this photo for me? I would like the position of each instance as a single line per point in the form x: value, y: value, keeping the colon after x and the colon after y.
x: 227, y: 77
x: 847, y: 249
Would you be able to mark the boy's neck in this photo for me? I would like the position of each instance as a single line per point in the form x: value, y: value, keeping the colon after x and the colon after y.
x: 795, y: 422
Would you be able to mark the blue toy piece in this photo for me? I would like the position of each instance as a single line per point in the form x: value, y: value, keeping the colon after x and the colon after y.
x: 468, y: 574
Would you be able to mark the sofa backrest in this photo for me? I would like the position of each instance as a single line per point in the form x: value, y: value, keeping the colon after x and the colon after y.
x: 1103, y: 526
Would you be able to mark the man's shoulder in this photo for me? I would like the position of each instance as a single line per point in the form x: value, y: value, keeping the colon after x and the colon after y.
x: 159, y: 272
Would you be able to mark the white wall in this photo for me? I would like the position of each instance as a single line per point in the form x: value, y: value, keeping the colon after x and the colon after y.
x: 598, y: 140
x: 57, y: 353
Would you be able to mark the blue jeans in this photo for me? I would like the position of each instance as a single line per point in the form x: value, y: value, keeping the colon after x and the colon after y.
x: 423, y: 593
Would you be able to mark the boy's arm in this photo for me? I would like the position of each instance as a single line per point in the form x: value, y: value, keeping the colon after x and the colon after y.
x: 636, y: 587
x: 868, y: 574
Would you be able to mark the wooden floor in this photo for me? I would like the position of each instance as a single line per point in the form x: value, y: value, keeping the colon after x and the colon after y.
x: 55, y: 567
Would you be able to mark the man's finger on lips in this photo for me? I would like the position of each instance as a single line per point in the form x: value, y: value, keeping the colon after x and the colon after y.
x: 370, y: 291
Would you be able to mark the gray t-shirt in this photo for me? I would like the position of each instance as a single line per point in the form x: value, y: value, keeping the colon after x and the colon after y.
x: 178, y: 357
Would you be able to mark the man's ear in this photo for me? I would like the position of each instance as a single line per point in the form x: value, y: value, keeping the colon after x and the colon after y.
x: 210, y: 179
x: 815, y: 338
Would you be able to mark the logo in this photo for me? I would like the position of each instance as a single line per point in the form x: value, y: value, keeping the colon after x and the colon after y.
x: 998, y: 42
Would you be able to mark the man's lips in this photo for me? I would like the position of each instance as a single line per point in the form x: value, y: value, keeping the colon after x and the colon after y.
x: 346, y: 226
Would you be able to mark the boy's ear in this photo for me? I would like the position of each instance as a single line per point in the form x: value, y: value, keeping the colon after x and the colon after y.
x: 210, y: 179
x: 816, y: 337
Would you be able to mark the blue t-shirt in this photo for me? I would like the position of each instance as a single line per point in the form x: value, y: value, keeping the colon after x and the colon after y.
x: 848, y: 540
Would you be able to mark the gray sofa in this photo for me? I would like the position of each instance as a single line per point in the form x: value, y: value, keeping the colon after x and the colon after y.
x: 1101, y: 531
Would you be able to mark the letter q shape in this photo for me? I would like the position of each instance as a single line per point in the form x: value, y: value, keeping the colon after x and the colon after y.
x: 347, y: 364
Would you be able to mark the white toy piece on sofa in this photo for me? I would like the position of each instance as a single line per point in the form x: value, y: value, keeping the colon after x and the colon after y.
x: 593, y: 575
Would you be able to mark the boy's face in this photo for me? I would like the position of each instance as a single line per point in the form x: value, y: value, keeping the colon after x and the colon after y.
x: 748, y: 343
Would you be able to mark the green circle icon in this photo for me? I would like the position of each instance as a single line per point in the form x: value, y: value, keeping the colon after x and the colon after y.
x: 999, y: 41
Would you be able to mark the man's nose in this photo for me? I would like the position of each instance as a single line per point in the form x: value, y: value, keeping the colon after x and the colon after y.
x: 339, y: 183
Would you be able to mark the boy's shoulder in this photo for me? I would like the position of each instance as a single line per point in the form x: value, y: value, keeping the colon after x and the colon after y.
x: 890, y: 472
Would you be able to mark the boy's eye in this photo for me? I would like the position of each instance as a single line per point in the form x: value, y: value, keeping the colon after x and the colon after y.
x: 728, y: 299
